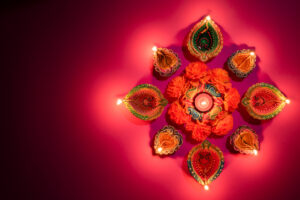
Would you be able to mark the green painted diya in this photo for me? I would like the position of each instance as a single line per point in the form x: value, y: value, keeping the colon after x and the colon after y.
x: 264, y: 101
x: 205, y: 40
x: 145, y: 102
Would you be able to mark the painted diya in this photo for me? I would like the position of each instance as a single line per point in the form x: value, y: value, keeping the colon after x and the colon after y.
x: 167, y: 141
x: 242, y: 62
x: 165, y: 61
x: 145, y: 102
x: 205, y: 162
x: 245, y: 140
x: 205, y: 40
x: 264, y: 101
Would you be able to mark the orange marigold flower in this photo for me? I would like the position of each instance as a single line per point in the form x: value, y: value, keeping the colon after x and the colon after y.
x: 201, y: 132
x: 223, y: 126
x: 231, y: 99
x: 177, y: 113
x: 220, y: 75
x: 175, y: 87
x: 195, y: 70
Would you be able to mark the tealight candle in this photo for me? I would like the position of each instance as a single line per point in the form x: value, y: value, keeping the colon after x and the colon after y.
x: 204, y: 102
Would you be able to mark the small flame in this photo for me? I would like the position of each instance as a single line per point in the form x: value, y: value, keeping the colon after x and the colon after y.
x: 206, y: 187
x: 154, y: 49
x: 255, y: 152
x: 119, y: 102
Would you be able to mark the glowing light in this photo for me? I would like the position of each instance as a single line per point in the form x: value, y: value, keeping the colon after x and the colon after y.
x: 206, y: 187
x: 287, y: 101
x: 203, y: 103
x: 255, y: 152
x: 119, y: 102
x: 208, y: 17
x: 159, y: 149
x: 154, y: 49
x: 252, y: 53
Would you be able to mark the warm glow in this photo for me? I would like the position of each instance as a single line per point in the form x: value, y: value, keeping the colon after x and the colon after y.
x: 159, y: 149
x: 208, y: 17
x: 255, y: 152
x: 119, y: 102
x: 287, y: 101
x: 252, y: 53
x: 203, y: 103
x: 206, y: 187
x: 154, y: 49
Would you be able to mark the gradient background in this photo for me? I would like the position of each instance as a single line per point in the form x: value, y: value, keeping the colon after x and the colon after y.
x: 66, y: 62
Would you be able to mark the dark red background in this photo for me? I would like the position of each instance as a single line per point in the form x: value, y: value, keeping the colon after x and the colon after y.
x: 66, y: 62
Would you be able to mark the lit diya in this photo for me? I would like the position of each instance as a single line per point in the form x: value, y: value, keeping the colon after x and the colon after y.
x: 165, y: 61
x: 145, y: 102
x: 167, y: 141
x: 205, y: 162
x: 204, y: 102
x: 242, y: 62
x: 245, y: 140
x: 264, y: 101
x: 205, y: 40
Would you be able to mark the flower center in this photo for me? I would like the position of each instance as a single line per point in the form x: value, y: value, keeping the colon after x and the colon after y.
x: 203, y: 102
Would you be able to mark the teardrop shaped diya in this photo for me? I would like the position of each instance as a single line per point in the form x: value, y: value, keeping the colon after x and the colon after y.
x: 264, y: 101
x: 205, y: 40
x: 167, y: 141
x: 242, y: 62
x: 165, y: 61
x: 145, y: 101
x: 205, y: 162
x: 245, y: 140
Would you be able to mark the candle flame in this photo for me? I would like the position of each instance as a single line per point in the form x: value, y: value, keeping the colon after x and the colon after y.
x: 255, y: 152
x: 206, y: 187
x: 119, y: 102
x: 154, y: 49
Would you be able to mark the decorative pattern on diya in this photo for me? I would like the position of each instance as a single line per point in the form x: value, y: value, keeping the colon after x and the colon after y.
x: 245, y: 140
x: 167, y: 141
x: 145, y: 102
x: 203, y: 101
x: 205, y: 162
x: 165, y: 61
x: 264, y: 101
x: 205, y: 40
x: 242, y: 62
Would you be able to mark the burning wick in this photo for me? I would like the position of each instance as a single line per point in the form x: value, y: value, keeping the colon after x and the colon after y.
x: 206, y: 187
x: 208, y: 17
x: 255, y: 152
x: 154, y: 49
x: 287, y: 101
x: 159, y: 149
x: 119, y: 102
x: 252, y: 53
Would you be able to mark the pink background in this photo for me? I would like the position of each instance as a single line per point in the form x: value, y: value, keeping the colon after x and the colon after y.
x: 68, y: 62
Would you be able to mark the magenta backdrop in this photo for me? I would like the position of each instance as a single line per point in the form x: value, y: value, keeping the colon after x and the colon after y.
x: 68, y: 62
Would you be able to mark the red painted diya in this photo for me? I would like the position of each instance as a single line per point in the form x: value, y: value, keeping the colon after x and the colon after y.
x: 145, y: 102
x: 205, y: 162
x: 264, y: 101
